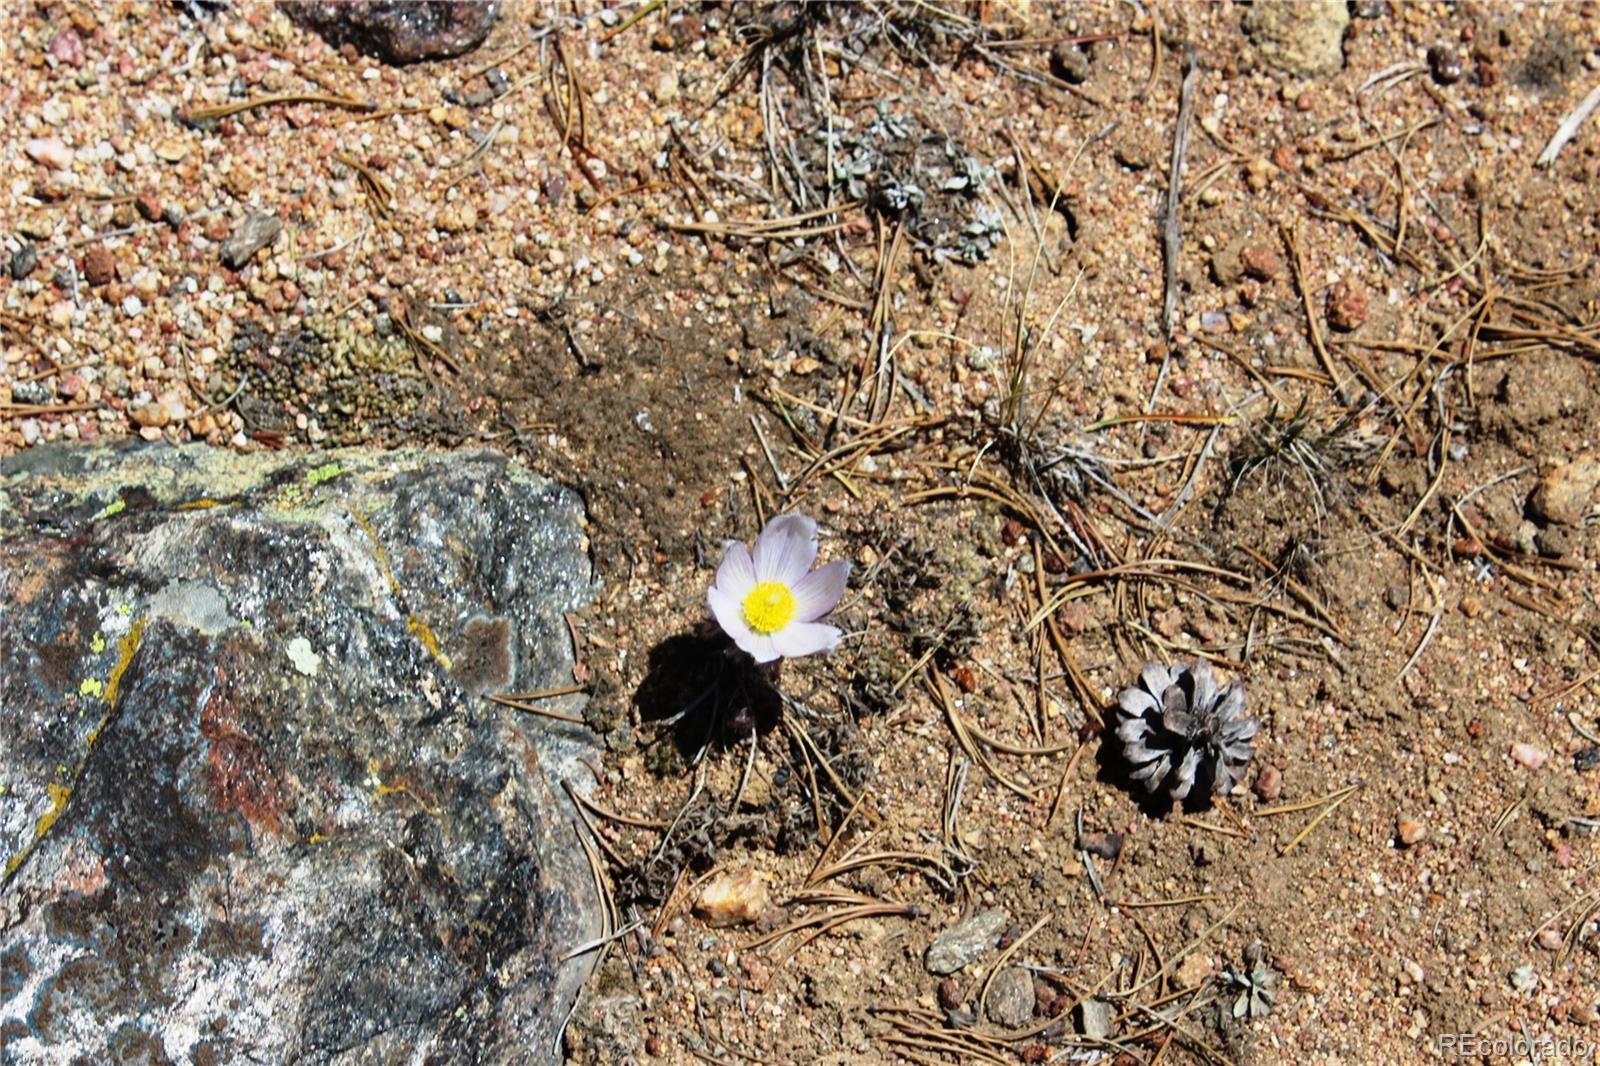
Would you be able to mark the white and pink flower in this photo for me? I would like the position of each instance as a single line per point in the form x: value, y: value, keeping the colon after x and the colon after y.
x: 769, y: 600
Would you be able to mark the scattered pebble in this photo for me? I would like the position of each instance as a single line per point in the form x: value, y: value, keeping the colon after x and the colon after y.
x: 67, y: 47
x: 1260, y: 262
x: 253, y: 233
x: 964, y: 942
x: 50, y: 152
x: 24, y: 261
x: 1524, y: 979
x: 1409, y: 831
x: 951, y: 994
x: 735, y: 898
x: 1550, y: 938
x: 1445, y: 64
x: 1094, y: 1019
x: 1530, y: 755
x: 1347, y: 306
x: 1269, y: 783
x: 1069, y: 63
x: 99, y: 266
x: 1568, y: 493
x: 1010, y: 1002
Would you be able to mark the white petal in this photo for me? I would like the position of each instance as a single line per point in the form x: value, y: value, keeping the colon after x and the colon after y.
x: 804, y: 638
x: 819, y: 591
x: 1136, y: 701
x: 786, y: 549
x: 1156, y: 679
x: 729, y: 612
x: 737, y: 573
x: 763, y: 649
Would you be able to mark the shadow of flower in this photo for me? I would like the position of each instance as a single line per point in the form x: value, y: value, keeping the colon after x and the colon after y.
x: 707, y: 690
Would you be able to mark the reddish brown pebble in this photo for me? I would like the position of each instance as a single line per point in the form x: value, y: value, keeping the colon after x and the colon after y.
x: 1075, y: 617
x: 1261, y: 262
x: 148, y: 205
x: 1012, y: 532
x: 1283, y: 157
x: 1470, y: 606
x: 951, y: 994
x: 1347, y: 306
x: 99, y: 266
x: 1409, y: 832
x: 1475, y: 729
x: 962, y: 675
x: 1269, y: 783
x: 1036, y: 1053
x: 652, y: 1046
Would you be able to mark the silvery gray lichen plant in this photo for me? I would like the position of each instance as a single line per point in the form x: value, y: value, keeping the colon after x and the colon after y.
x: 1179, y: 731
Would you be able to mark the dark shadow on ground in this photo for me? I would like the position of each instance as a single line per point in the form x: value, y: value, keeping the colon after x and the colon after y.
x: 707, y: 690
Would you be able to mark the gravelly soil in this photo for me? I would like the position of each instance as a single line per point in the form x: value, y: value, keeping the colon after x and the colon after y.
x: 1322, y: 477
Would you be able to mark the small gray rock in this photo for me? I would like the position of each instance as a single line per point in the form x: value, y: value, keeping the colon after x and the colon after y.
x: 251, y: 235
x: 1070, y: 63
x: 964, y: 942
x: 1094, y: 1019
x: 24, y: 261
x: 1010, y: 1002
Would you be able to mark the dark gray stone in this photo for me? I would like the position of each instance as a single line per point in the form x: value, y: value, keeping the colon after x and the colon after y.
x: 399, y: 31
x: 253, y: 233
x: 964, y: 942
x: 1010, y: 1001
x: 252, y: 803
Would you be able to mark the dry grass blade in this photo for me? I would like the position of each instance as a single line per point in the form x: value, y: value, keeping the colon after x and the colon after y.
x: 1330, y: 803
x: 421, y: 345
x: 208, y: 114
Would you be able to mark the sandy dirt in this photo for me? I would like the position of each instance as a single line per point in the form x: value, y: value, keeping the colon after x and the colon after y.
x: 901, y: 268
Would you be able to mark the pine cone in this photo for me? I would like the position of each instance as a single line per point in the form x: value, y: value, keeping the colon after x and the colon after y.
x: 1178, y: 730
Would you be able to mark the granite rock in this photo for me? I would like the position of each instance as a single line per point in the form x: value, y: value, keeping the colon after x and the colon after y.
x: 965, y: 942
x: 254, y: 806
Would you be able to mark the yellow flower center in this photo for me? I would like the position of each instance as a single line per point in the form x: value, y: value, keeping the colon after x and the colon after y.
x: 769, y: 607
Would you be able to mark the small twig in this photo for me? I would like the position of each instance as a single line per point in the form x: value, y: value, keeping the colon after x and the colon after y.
x: 207, y: 114
x: 1170, y: 235
x: 1569, y: 127
x: 1332, y: 802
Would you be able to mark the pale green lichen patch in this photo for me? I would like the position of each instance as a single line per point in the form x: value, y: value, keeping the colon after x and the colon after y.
x: 91, y: 686
x: 326, y: 472
x: 98, y: 644
x: 113, y: 508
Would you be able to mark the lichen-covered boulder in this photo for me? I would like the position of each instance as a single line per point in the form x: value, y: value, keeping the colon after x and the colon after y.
x: 254, y: 804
